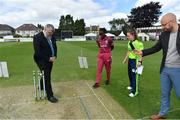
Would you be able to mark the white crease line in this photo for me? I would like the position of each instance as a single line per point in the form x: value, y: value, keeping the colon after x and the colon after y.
x: 100, y: 101
x: 84, y: 105
x: 147, y: 117
x: 75, y: 97
x: 23, y: 103
x: 66, y: 98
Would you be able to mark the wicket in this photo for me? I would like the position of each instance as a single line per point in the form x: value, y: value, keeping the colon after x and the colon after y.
x: 39, y: 93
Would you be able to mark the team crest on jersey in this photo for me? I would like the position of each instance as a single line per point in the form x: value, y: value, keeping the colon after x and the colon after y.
x: 104, y: 43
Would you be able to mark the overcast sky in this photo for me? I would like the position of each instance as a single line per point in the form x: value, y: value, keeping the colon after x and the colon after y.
x: 95, y: 12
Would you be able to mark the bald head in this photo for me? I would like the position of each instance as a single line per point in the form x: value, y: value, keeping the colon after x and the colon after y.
x: 169, y: 17
x: 169, y: 22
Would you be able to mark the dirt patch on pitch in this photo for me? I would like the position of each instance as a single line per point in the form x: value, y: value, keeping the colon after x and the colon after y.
x: 77, y: 100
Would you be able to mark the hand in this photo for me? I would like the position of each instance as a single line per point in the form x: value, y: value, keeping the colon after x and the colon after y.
x: 139, y: 63
x: 52, y: 59
x: 137, y: 52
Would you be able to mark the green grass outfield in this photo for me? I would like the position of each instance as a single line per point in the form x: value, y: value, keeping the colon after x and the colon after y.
x: 66, y: 68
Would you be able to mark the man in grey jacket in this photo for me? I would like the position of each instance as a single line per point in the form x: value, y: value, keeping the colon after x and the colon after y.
x: 169, y: 42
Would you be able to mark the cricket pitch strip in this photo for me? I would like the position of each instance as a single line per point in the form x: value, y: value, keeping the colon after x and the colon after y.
x: 77, y: 100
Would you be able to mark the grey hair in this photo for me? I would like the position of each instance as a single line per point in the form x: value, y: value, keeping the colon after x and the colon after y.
x: 47, y: 26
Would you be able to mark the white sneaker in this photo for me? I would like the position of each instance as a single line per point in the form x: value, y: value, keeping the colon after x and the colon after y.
x: 131, y: 95
x: 129, y: 88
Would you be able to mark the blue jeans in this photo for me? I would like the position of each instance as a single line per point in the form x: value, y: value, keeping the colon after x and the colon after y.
x: 170, y: 77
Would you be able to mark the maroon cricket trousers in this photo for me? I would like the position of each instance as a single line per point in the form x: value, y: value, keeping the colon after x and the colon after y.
x: 104, y: 59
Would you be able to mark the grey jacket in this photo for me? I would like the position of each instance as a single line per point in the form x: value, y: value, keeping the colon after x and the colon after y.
x: 163, y: 44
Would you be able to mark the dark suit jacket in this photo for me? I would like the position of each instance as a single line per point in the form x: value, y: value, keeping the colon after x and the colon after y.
x: 42, y: 50
x: 163, y: 44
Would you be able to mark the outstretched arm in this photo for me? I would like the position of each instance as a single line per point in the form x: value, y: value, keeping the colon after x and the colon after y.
x: 157, y: 47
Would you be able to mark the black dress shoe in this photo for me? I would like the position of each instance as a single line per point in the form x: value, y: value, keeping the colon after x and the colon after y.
x: 53, y: 99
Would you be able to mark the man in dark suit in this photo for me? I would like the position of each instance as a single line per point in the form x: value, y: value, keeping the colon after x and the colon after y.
x: 45, y: 53
x: 169, y: 42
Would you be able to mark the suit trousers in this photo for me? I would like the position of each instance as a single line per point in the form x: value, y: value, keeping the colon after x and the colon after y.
x: 47, y: 68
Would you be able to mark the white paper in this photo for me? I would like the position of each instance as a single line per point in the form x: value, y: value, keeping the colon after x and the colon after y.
x: 140, y: 69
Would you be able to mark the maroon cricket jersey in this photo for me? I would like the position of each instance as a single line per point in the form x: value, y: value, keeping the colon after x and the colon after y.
x: 105, y: 44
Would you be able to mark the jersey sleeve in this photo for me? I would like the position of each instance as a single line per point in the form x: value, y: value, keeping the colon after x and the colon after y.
x: 141, y: 46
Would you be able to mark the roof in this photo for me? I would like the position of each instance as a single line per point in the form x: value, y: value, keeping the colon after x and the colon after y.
x: 5, y: 27
x: 122, y: 34
x: 109, y: 34
x: 143, y: 34
x: 90, y: 35
x: 25, y: 27
x: 150, y: 28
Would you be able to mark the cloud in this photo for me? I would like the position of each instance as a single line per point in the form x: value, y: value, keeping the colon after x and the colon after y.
x: 21, y: 11
x: 102, y: 21
x: 167, y: 4
x: 18, y: 12
x: 95, y: 12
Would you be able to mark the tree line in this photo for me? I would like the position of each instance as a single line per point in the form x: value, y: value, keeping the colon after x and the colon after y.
x: 67, y: 23
x: 144, y: 16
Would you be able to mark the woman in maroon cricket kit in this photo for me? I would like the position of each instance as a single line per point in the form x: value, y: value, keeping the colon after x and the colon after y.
x: 105, y: 45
